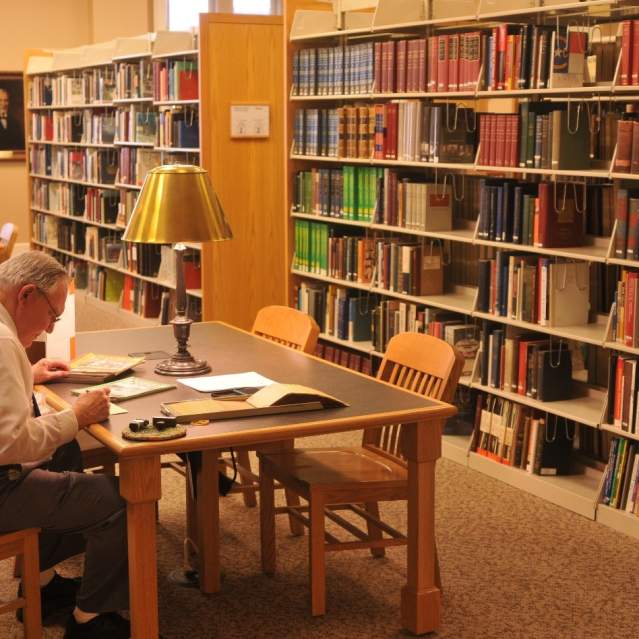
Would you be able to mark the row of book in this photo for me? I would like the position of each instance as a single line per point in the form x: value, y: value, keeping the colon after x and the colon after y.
x: 134, y: 164
x: 509, y: 56
x: 408, y: 130
x: 543, y: 214
x: 538, y: 290
x: 85, y: 126
x: 541, y: 136
x: 175, y: 80
x: 627, y: 157
x: 136, y: 124
x: 625, y: 311
x: 371, y: 194
x: 87, y: 165
x: 525, y: 363
x: 134, y: 80
x: 521, y: 437
x: 87, y: 87
x: 344, y: 357
x: 620, y: 483
x: 333, y: 70
x: 56, y: 233
x: 178, y: 128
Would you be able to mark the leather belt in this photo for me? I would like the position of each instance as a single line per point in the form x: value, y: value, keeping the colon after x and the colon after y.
x: 11, y: 472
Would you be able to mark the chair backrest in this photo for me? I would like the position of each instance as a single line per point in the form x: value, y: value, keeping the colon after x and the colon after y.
x: 419, y: 363
x: 287, y: 326
x: 8, y: 236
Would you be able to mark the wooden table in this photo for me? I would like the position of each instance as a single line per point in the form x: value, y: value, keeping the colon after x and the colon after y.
x: 230, y: 350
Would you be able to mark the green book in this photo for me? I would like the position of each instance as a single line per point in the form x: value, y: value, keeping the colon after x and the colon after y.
x: 128, y: 388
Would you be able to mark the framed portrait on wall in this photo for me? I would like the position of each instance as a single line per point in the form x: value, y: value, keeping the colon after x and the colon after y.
x: 11, y: 116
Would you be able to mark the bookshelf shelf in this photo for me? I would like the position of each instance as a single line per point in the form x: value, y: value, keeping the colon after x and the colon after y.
x: 176, y: 149
x: 627, y: 523
x: 586, y: 410
x: 455, y: 448
x: 124, y: 185
x: 53, y: 107
x: 54, y: 178
x: 624, y: 176
x: 83, y: 145
x: 456, y: 20
x: 132, y: 100
x: 577, y: 493
x: 591, y: 253
x: 620, y: 346
x: 73, y: 218
x: 175, y: 102
x: 176, y: 54
x: 607, y: 90
x: 131, y: 56
x: 148, y: 145
x: 593, y: 333
x: 619, y: 432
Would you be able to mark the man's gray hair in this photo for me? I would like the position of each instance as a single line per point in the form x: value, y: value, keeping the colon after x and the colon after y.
x: 32, y: 267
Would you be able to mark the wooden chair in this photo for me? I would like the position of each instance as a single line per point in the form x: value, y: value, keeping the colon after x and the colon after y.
x: 292, y: 328
x: 340, y: 479
x: 8, y: 236
x: 24, y: 546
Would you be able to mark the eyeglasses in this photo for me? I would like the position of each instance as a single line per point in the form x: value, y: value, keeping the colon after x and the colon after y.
x: 54, y: 315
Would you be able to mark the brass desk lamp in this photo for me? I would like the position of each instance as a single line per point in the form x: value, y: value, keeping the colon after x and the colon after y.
x: 177, y: 204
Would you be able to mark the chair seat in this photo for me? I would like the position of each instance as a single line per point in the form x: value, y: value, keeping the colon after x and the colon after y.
x: 335, y: 468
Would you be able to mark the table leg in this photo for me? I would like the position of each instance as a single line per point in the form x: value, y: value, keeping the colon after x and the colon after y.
x: 140, y: 486
x: 421, y: 598
x: 208, y: 522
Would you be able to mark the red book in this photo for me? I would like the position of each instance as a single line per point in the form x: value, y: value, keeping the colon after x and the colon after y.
x: 377, y: 58
x: 514, y: 141
x: 501, y: 50
x: 483, y: 138
x: 624, y: 146
x: 625, y: 73
x: 618, y: 392
x: 390, y: 71
x: 463, y: 62
x: 634, y: 154
x: 509, y: 63
x: 392, y: 111
x: 401, y: 57
x: 492, y: 139
x: 431, y: 86
x: 629, y: 308
x: 442, y: 63
x: 634, y: 67
x: 411, y: 63
x: 420, y: 53
x: 500, y: 137
x: 187, y: 82
x: 517, y: 62
x: 127, y: 293
x: 453, y: 62
x: 542, y: 211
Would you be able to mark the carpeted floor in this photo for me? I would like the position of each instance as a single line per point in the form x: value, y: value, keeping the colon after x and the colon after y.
x: 513, y: 566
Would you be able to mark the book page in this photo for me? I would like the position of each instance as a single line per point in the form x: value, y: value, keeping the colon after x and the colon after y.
x: 212, y: 383
x: 282, y: 394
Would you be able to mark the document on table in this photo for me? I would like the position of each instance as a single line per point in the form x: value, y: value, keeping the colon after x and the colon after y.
x: 211, y: 383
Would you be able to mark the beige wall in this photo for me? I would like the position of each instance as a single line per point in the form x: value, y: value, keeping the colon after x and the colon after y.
x: 58, y: 24
x: 33, y: 24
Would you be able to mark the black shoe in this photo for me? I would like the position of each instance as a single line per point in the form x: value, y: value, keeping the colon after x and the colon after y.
x: 108, y: 625
x: 57, y: 597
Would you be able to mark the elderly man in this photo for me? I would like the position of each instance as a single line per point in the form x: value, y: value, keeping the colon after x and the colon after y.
x: 41, y: 479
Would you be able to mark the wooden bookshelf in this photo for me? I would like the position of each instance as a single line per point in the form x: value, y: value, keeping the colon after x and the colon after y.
x: 241, y: 64
x: 69, y: 76
x: 315, y: 27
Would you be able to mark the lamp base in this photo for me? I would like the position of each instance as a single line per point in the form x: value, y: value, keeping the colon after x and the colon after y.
x: 182, y: 366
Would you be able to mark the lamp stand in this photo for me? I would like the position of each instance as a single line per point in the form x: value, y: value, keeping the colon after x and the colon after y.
x: 182, y: 362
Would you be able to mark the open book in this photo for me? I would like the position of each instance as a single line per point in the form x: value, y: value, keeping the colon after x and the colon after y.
x: 272, y: 399
x: 128, y: 388
x: 94, y: 368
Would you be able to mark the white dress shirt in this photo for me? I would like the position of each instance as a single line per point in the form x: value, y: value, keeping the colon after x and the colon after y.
x: 24, y: 438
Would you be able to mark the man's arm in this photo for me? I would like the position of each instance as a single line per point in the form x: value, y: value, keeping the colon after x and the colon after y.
x: 24, y: 438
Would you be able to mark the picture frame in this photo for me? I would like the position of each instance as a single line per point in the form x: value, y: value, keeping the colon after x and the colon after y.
x: 12, y: 138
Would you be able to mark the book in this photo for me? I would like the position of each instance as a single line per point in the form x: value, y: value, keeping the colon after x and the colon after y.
x: 270, y: 400
x: 127, y: 388
x: 98, y: 368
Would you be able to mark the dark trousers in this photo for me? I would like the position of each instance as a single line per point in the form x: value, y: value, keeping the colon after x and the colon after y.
x: 77, y: 513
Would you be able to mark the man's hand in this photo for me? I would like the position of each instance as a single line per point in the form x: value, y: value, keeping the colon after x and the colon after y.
x: 47, y: 370
x: 92, y: 407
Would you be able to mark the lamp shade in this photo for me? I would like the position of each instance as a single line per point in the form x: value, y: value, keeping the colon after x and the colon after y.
x: 177, y: 204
